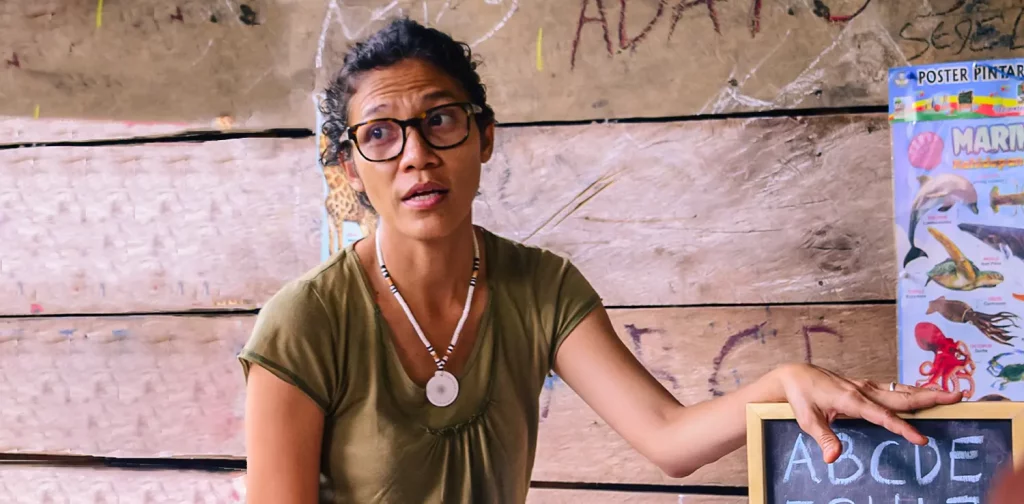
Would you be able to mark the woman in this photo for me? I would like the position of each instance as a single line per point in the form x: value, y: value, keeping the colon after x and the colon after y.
x: 408, y: 367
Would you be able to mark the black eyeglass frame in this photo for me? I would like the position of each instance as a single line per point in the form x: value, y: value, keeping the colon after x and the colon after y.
x: 349, y: 134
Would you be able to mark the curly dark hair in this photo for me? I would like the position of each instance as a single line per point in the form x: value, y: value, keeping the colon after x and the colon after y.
x: 401, y: 39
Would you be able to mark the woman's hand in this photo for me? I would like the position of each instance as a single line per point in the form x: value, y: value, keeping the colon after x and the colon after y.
x: 818, y: 396
x: 1008, y: 487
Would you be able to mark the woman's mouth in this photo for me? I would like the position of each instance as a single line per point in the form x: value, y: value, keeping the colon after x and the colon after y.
x: 425, y: 196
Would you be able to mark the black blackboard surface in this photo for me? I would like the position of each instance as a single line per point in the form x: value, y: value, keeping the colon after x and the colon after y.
x: 879, y: 467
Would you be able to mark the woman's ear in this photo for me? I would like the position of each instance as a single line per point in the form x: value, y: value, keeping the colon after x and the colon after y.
x: 487, y: 142
x: 351, y: 174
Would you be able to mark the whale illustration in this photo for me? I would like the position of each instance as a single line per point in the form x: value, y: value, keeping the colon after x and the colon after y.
x: 1007, y: 240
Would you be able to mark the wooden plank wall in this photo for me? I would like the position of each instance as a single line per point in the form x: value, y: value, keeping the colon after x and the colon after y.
x: 158, y: 181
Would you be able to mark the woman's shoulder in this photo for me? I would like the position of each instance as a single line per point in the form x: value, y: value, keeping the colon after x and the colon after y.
x: 511, y: 255
x: 531, y: 270
x: 323, y: 285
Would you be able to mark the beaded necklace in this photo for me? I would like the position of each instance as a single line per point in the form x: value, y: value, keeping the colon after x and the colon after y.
x: 443, y: 387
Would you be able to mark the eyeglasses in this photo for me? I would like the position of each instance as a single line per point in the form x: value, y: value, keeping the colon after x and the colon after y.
x: 442, y: 127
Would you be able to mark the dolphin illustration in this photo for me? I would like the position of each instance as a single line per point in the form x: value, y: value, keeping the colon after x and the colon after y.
x: 942, y: 191
x: 1007, y: 240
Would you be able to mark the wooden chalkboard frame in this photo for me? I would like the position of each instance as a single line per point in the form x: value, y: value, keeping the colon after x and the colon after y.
x: 757, y: 413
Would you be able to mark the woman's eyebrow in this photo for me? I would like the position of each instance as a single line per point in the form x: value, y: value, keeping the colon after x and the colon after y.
x: 441, y: 93
x: 431, y: 96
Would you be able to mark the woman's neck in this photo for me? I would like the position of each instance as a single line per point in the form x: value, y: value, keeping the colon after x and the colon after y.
x: 431, y: 274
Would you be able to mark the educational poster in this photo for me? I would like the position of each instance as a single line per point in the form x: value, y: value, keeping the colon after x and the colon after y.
x: 958, y: 158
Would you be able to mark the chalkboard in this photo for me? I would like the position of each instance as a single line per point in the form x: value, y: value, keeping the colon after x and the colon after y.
x: 969, y: 445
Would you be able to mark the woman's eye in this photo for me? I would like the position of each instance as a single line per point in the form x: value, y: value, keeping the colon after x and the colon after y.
x: 376, y: 133
x: 440, y: 119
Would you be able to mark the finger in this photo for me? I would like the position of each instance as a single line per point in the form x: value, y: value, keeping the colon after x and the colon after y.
x: 814, y: 423
x: 911, y: 400
x: 856, y: 404
x: 942, y: 396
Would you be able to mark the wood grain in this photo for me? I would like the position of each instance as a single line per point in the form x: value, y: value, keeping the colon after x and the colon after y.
x: 29, y: 131
x: 260, y: 62
x: 186, y: 61
x: 157, y: 227
x: 735, y: 211
x: 163, y: 386
x: 559, y: 496
x: 153, y: 386
x: 712, y: 212
x: 34, y: 484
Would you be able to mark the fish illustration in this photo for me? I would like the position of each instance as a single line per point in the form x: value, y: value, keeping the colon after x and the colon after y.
x: 958, y: 272
x: 996, y: 199
x: 942, y: 191
x: 1007, y: 240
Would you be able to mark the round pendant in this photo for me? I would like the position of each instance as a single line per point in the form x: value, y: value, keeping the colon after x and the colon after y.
x: 442, y: 389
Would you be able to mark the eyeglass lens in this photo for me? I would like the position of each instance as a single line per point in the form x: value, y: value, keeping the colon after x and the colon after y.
x: 443, y: 127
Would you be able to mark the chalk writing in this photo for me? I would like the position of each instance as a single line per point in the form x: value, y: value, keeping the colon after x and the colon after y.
x: 751, y: 334
x: 540, y: 55
x: 971, y: 25
x: 549, y: 387
x: 824, y: 12
x: 501, y: 24
x: 635, y: 333
x: 755, y: 333
x: 958, y: 461
x: 595, y: 12
x: 342, y: 15
x: 815, y: 329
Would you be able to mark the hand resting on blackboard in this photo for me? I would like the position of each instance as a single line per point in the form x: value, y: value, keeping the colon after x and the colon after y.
x: 681, y: 439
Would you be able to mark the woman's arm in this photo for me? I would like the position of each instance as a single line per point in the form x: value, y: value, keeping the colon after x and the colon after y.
x: 283, y: 433
x: 598, y: 366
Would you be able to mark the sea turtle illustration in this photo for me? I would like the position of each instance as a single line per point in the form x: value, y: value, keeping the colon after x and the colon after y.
x: 958, y: 272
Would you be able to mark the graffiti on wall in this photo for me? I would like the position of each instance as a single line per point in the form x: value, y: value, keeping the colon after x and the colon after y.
x: 720, y: 374
x: 962, y: 28
x: 610, y: 20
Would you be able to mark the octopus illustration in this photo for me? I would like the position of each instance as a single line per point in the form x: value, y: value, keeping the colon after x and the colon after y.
x: 952, y: 363
x: 990, y: 324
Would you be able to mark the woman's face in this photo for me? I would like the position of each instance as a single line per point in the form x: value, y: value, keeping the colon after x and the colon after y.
x: 424, y: 192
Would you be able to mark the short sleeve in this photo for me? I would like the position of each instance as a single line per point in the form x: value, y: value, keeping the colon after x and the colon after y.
x: 293, y: 338
x: 572, y: 297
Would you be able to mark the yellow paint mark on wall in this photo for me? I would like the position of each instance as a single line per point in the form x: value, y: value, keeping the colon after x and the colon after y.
x: 540, y: 45
x: 35, y: 114
x: 99, y: 13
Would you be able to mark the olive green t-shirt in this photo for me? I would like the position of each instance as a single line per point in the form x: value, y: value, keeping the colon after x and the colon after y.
x: 383, y: 441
